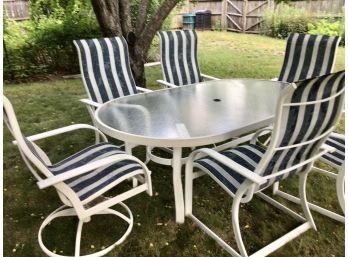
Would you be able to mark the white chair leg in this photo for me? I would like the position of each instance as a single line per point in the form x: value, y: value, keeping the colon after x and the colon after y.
x: 78, y: 238
x: 303, y: 197
x: 128, y: 149
x: 340, y: 188
x: 235, y: 224
x: 314, y: 207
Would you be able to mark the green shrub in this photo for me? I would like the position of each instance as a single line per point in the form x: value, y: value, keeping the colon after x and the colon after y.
x: 285, y: 19
x: 43, y: 45
x: 328, y: 27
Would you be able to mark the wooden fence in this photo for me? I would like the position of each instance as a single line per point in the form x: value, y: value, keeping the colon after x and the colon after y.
x: 247, y: 15
x: 16, y: 9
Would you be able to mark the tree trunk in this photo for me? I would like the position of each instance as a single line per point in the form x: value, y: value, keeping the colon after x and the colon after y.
x: 107, y: 13
x: 114, y: 18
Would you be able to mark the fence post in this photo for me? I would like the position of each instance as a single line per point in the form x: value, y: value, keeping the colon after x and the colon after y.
x: 245, y: 10
x: 224, y: 15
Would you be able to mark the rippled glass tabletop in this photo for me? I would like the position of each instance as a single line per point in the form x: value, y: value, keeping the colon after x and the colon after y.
x: 192, y: 115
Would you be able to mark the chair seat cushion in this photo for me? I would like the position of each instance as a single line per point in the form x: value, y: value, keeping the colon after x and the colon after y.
x: 246, y: 155
x: 92, y: 182
x: 337, y: 157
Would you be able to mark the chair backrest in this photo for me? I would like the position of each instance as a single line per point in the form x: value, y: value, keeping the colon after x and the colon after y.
x: 31, y: 153
x: 179, y: 57
x: 105, y: 68
x: 308, y: 56
x: 307, y: 113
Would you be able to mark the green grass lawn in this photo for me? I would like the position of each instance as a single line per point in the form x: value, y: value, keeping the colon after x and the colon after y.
x: 51, y: 104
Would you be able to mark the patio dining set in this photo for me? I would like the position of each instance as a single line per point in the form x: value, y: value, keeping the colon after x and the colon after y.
x: 247, y: 135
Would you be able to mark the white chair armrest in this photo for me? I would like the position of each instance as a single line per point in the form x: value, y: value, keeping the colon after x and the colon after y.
x: 252, y: 176
x: 61, y: 131
x: 165, y: 84
x: 209, y: 77
x: 150, y: 64
x: 260, y: 132
x: 90, y: 102
x: 144, y: 90
x: 89, y: 167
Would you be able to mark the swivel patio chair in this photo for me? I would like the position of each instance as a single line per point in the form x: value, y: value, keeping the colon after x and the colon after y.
x: 179, y: 58
x: 81, y: 179
x: 308, y: 56
x: 105, y: 70
x: 307, y: 113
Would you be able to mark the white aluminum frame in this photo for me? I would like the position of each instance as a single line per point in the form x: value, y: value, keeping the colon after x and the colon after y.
x: 72, y: 205
x: 250, y: 187
x: 166, y: 84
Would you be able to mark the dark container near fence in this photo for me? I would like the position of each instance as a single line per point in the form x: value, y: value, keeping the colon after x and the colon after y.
x: 203, y: 19
x: 188, y: 20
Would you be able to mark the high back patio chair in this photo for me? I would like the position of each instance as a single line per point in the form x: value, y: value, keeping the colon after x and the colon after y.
x: 105, y: 70
x: 81, y: 179
x: 307, y: 113
x: 179, y: 58
x: 308, y: 56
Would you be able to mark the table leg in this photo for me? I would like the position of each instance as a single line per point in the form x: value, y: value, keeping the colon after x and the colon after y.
x: 128, y: 149
x: 177, y: 185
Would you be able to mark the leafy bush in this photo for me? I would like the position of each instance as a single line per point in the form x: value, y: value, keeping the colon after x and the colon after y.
x: 328, y: 27
x: 285, y: 19
x: 43, y: 45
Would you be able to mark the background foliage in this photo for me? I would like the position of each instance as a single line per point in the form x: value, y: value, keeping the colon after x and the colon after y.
x: 284, y: 19
x: 43, y: 45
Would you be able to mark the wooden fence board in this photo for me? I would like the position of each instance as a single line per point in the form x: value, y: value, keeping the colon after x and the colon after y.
x: 16, y: 10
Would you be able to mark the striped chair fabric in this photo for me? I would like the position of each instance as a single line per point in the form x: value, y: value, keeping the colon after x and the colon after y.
x: 301, y: 120
x: 105, y: 68
x: 247, y: 155
x: 336, y: 158
x: 308, y: 56
x: 179, y: 57
x: 89, y: 184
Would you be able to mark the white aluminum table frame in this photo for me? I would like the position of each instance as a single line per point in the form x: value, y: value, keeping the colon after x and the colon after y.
x: 190, y: 116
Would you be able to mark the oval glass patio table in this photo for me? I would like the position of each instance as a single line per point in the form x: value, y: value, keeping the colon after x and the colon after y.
x: 190, y: 116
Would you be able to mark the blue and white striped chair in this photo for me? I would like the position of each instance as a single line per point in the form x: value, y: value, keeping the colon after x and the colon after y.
x: 81, y: 179
x: 179, y: 58
x: 105, y: 69
x: 307, y: 112
x: 308, y: 56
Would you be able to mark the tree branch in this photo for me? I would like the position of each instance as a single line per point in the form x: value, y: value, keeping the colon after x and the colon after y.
x: 107, y: 13
x: 142, y: 15
x: 155, y: 23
